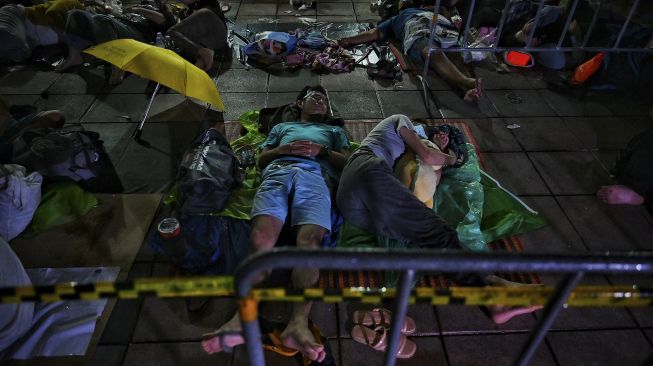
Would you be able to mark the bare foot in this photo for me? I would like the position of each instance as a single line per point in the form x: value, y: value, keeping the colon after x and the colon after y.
x: 229, y: 335
x: 73, y: 59
x: 502, y: 314
x: 116, y: 76
x: 619, y: 195
x: 204, y: 58
x: 474, y: 94
x: 298, y: 336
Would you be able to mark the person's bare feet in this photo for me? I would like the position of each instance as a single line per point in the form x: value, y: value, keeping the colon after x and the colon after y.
x: 73, y: 59
x: 116, y: 76
x: 473, y: 94
x: 298, y: 336
x: 619, y: 195
x: 205, y: 58
x: 502, y: 314
x: 229, y: 335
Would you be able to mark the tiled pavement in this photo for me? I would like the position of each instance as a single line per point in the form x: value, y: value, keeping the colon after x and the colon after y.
x: 555, y: 161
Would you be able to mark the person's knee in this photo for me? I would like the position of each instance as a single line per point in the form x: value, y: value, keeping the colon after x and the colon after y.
x: 310, y: 237
x: 261, y: 238
x: 56, y: 116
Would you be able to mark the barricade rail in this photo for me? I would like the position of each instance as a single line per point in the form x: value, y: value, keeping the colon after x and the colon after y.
x: 410, y: 261
x: 528, y: 47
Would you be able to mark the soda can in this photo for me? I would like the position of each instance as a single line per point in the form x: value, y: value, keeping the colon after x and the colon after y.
x: 169, y: 228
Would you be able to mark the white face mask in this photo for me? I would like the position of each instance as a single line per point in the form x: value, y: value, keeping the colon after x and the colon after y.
x: 419, y: 130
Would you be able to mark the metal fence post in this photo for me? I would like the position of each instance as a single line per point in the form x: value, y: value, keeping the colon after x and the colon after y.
x: 398, y: 315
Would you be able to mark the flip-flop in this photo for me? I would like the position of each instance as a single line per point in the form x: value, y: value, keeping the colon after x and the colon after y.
x: 382, y: 317
x: 377, y: 339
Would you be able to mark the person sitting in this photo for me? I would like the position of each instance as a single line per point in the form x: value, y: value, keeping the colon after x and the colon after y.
x: 370, y: 197
x: 293, y: 159
x: 84, y: 29
x: 412, y: 27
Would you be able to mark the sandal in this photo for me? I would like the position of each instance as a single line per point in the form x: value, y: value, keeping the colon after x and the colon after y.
x: 378, y: 340
x: 382, y: 317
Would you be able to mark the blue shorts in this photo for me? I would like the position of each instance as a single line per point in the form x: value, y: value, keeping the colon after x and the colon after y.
x: 301, y: 181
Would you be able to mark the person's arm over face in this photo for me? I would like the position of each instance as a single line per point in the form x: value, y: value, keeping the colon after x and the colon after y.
x: 151, y: 15
x: 428, y: 155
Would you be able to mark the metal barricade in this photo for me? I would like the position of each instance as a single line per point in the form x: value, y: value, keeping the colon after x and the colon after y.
x: 616, y: 47
x: 410, y: 261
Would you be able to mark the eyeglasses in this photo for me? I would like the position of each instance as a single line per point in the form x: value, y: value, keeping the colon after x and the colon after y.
x: 316, y: 96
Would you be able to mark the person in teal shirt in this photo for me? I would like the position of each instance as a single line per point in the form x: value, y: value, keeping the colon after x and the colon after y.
x: 293, y: 159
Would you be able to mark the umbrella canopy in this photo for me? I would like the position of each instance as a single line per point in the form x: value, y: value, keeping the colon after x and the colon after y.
x: 161, y: 65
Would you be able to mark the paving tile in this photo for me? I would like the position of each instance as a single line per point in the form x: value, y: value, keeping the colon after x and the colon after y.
x: 606, y: 227
x: 459, y: 319
x: 556, y: 238
x: 242, y: 80
x: 15, y: 99
x: 360, y: 105
x: 570, y: 172
x: 576, y: 318
x: 364, y: 10
x: 271, y: 358
x: 293, y: 81
x: 325, y: 316
x: 536, y: 79
x: 289, y: 22
x: 257, y: 9
x: 130, y: 108
x: 515, y: 172
x: 500, y: 349
x: 235, y: 6
x: 85, y: 81
x: 423, y: 314
x: 334, y: 8
x: 493, y: 80
x: 518, y: 103
x: 116, y: 137
x: 285, y: 9
x: 407, y: 82
x: 108, y: 355
x: 279, y: 99
x: 610, y: 133
x: 336, y: 19
x: 607, y: 158
x: 72, y: 106
x: 625, y: 105
x: 351, y: 82
x: 26, y: 82
x: 173, y: 354
x: 453, y: 106
x: 161, y: 160
x: 239, y: 103
x: 566, y: 105
x: 171, y: 320
x: 544, y: 134
x: 429, y: 352
x: 491, y: 135
x: 640, y: 124
x: 409, y: 103
x: 616, y: 347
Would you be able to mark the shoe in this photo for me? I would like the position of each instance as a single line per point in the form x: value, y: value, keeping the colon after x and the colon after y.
x: 382, y: 317
x: 378, y: 340
x: 225, y: 8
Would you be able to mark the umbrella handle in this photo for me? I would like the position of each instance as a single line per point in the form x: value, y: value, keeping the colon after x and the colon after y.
x: 139, y: 130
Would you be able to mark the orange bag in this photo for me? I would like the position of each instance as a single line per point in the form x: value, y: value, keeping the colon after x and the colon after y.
x: 587, y: 69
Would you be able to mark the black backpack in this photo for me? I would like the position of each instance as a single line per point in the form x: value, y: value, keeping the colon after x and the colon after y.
x: 209, y: 170
x: 72, y: 153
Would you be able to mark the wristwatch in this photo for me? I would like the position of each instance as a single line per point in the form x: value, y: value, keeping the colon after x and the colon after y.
x: 324, y: 152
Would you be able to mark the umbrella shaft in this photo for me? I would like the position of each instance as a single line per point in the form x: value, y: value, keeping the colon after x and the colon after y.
x: 149, y: 105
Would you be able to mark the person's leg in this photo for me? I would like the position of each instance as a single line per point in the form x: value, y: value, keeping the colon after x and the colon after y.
x: 108, y: 28
x: 264, y: 235
x: 443, y: 66
x: 79, y: 35
x: 199, y: 36
x: 12, y: 34
x: 297, y: 334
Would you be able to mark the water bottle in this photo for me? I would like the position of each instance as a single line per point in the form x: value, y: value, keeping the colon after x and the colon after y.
x: 160, y: 40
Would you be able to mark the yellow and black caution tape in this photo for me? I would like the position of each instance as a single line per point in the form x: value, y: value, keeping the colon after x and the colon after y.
x: 223, y: 287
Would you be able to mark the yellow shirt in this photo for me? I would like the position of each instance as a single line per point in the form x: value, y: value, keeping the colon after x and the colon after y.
x: 52, y: 13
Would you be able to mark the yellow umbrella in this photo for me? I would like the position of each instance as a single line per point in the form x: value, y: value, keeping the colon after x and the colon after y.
x: 161, y: 65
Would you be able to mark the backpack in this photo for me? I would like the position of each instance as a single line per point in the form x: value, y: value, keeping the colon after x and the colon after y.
x: 71, y: 153
x: 209, y: 169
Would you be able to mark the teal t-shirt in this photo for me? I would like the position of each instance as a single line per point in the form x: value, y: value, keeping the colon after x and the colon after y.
x: 332, y: 136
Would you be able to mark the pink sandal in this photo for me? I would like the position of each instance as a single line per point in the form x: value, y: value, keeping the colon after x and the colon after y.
x: 382, y: 317
x: 378, y: 340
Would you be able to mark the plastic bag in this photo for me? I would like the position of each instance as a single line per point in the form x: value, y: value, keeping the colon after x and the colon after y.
x: 20, y: 195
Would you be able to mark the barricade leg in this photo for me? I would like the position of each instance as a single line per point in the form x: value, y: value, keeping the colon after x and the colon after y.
x: 398, y: 315
x: 248, y: 310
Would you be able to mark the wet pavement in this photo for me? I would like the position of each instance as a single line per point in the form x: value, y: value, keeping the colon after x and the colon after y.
x: 555, y: 160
